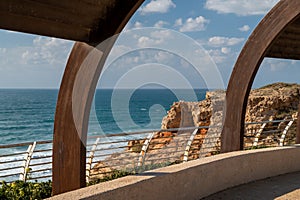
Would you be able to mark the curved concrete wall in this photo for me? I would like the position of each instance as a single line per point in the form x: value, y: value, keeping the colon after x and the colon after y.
x: 198, y: 178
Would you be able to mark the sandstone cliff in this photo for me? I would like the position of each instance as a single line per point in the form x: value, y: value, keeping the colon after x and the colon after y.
x: 275, y: 101
x: 272, y: 102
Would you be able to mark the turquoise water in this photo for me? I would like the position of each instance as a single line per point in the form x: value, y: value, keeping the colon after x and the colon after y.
x: 28, y: 115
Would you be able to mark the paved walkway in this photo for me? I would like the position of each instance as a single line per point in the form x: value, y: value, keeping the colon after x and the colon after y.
x: 285, y: 187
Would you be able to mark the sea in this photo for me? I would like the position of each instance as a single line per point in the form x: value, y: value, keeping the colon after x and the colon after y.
x: 27, y: 115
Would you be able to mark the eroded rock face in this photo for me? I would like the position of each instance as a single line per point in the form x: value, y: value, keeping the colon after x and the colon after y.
x: 271, y: 102
x: 274, y: 101
x: 191, y: 114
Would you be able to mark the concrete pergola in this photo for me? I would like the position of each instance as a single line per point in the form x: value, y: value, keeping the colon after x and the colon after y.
x: 92, y: 22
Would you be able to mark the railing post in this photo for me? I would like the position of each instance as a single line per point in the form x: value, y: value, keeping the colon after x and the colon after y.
x: 90, y: 159
x: 144, y: 150
x: 27, y: 158
x: 188, y: 145
x: 285, y: 132
x: 257, y: 136
x: 298, y: 126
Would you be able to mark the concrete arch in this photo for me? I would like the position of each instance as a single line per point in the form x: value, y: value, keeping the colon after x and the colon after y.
x: 271, y: 38
x: 75, y: 97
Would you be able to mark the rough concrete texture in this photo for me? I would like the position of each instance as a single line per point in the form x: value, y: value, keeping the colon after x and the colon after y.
x: 196, y: 179
x: 281, y: 187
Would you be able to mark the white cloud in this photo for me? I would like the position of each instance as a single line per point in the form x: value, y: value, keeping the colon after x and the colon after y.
x: 160, y: 24
x: 47, y: 50
x: 25, y: 54
x: 146, y: 37
x: 133, y: 25
x: 33, y: 61
x: 161, y: 34
x: 138, y: 25
x: 2, y: 50
x: 118, y: 50
x: 44, y: 52
x: 224, y: 57
x: 225, y: 50
x: 241, y: 7
x: 244, y: 28
x: 218, y: 41
x: 190, y: 25
x: 157, y: 37
x: 157, y: 6
x: 217, y: 56
x: 277, y: 65
x: 162, y: 56
x: 178, y: 22
x: 294, y: 62
x: 145, y: 41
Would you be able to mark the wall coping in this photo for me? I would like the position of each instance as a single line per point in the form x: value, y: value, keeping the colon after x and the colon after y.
x: 198, y: 178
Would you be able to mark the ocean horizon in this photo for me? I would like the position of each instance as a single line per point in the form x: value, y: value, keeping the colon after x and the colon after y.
x: 27, y: 115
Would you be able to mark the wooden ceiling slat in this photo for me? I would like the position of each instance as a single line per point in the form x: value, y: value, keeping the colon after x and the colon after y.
x: 296, y: 22
x: 45, y: 27
x: 289, y: 37
x: 286, y: 49
x: 287, y: 45
x: 286, y: 52
x: 283, y: 55
x: 292, y: 29
x: 286, y: 42
x: 90, y: 21
x: 48, y: 12
x: 81, y: 7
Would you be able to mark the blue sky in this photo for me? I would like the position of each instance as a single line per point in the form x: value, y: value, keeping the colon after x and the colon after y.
x: 219, y: 28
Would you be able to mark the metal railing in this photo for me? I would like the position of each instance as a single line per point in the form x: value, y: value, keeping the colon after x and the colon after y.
x: 17, y: 163
x: 270, y: 133
x: 138, y: 151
